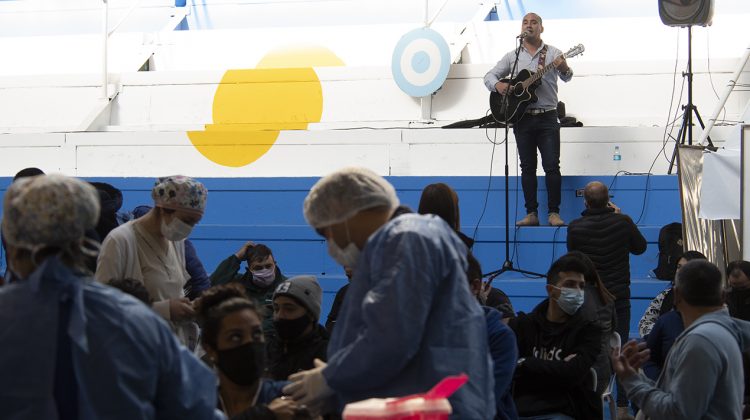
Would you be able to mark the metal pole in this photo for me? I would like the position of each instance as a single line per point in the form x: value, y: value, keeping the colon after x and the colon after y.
x: 689, y: 107
x: 725, y: 96
x: 426, y: 12
x: 105, y: 34
x: 429, y: 22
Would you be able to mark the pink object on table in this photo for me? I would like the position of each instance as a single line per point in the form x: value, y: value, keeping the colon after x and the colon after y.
x: 432, y: 405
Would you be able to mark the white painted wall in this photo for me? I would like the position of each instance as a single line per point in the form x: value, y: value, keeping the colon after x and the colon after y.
x: 359, y: 97
x: 400, y: 152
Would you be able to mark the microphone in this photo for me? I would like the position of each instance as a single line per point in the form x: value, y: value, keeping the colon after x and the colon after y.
x: 523, y: 35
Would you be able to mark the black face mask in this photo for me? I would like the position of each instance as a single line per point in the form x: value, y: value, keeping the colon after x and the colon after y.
x: 290, y: 329
x: 243, y: 365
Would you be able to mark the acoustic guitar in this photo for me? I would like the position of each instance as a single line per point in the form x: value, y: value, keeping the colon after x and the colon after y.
x: 521, y: 91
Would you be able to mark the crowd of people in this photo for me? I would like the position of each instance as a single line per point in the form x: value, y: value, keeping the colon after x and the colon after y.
x: 123, y: 330
x: 112, y: 315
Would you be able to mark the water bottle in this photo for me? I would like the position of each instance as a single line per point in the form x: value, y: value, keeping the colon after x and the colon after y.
x: 617, y: 156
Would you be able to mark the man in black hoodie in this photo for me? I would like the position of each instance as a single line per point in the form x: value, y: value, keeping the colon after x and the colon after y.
x: 557, y: 347
x: 608, y: 237
x: 299, y: 338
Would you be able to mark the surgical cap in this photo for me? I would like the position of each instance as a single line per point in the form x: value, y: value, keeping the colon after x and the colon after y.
x: 179, y: 192
x: 344, y: 193
x: 48, y: 210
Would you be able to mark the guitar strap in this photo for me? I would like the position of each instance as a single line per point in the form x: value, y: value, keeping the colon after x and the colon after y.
x: 542, y: 58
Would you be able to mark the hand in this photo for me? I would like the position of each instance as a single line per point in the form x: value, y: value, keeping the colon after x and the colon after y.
x: 243, y: 251
x: 502, y: 88
x: 612, y: 205
x: 627, y: 361
x: 310, y: 386
x: 570, y: 357
x: 561, y: 64
x: 180, y: 309
x: 283, y: 408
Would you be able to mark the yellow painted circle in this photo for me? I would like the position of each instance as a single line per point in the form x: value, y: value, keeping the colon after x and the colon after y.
x: 252, y: 106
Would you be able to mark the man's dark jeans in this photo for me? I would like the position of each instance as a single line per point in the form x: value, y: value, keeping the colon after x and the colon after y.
x: 539, y: 132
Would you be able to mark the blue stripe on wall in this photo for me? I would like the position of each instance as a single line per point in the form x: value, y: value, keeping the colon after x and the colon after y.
x: 269, y: 210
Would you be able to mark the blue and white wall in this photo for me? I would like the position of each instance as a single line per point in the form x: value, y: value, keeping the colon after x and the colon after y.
x: 259, y: 99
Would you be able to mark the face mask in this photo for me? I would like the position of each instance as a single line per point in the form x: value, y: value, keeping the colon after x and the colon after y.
x: 265, y: 277
x: 570, y: 299
x: 290, y: 329
x: 347, y: 257
x: 176, y: 230
x: 243, y: 365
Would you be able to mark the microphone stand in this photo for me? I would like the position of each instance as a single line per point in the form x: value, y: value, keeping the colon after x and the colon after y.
x: 508, y: 263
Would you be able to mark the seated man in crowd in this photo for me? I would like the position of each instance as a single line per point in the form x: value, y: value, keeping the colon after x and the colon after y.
x: 702, y: 378
x: 299, y: 339
x: 260, y: 279
x: 557, y: 347
x: 599, y: 306
x: 502, y: 343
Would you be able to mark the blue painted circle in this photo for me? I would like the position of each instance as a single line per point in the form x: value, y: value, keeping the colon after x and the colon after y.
x: 420, y: 62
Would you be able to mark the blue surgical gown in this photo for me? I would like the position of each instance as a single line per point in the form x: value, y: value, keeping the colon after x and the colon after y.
x: 126, y: 361
x: 409, y: 320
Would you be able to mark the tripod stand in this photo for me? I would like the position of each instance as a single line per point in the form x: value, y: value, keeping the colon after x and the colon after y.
x: 686, y: 128
x: 508, y: 263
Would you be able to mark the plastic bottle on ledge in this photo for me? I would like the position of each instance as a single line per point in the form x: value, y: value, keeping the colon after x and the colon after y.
x: 617, y: 156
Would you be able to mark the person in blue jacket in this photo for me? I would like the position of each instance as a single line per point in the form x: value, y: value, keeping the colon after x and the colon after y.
x: 503, y: 347
x: 74, y: 348
x: 660, y: 340
x: 409, y: 319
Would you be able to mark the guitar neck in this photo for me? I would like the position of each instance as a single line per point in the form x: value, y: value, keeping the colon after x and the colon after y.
x: 538, y: 75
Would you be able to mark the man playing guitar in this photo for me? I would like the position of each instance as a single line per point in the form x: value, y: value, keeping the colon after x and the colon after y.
x: 538, y: 127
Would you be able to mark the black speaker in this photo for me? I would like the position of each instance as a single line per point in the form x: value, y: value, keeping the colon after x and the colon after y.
x: 686, y: 12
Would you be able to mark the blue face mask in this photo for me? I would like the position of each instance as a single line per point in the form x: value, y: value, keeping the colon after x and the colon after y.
x: 570, y: 299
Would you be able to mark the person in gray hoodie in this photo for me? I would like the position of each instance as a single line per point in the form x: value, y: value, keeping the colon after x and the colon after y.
x: 703, y: 376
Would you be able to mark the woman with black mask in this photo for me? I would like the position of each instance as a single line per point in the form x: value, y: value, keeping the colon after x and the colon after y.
x: 233, y: 340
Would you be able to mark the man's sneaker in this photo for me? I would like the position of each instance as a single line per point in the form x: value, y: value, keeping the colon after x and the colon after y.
x: 554, y: 220
x: 531, y: 219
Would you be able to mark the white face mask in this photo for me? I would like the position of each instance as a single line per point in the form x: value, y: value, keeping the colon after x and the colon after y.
x: 176, y: 230
x: 347, y: 256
